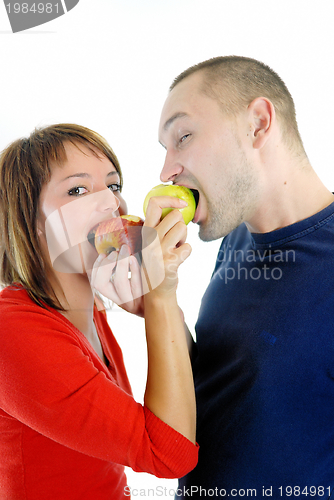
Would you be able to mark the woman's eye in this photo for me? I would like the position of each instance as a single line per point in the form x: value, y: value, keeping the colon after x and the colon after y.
x: 77, y: 191
x: 114, y: 187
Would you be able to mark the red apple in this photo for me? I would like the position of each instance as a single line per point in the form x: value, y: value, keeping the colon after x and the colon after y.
x: 124, y: 230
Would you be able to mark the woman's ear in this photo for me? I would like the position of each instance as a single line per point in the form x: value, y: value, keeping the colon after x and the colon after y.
x: 262, y: 116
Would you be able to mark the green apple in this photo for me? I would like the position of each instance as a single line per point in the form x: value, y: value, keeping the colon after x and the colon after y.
x: 182, y: 192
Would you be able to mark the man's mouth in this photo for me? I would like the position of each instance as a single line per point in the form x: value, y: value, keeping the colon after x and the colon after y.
x: 196, y: 195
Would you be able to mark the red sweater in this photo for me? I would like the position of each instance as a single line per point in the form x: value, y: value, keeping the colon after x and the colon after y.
x: 68, y: 423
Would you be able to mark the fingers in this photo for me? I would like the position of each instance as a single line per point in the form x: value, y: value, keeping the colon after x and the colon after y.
x: 120, y: 279
x: 155, y: 206
x: 183, y: 252
x: 174, y: 235
x: 108, y: 263
x: 136, y: 282
x: 110, y: 276
x: 161, y: 257
x: 127, y: 288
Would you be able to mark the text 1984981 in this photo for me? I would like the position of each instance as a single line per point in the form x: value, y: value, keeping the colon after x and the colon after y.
x: 312, y: 491
x: 35, y: 8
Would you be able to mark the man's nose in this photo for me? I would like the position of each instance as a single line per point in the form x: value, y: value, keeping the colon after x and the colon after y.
x: 171, y: 169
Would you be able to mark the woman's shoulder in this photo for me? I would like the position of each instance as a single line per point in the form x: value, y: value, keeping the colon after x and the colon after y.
x: 19, y: 310
x: 34, y: 329
x: 15, y: 298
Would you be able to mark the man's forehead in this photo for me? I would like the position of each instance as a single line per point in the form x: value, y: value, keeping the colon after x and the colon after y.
x: 186, y: 89
x: 180, y: 100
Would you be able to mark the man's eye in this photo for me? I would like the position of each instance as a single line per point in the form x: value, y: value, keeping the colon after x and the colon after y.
x: 184, y: 137
x: 114, y: 187
x: 77, y: 191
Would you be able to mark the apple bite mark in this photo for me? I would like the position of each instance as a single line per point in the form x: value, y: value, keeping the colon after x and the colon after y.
x: 114, y: 233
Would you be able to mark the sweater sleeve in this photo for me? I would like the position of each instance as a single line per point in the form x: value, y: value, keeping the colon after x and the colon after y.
x: 51, y: 383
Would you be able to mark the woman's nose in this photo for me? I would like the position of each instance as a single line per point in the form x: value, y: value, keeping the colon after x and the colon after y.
x: 106, y: 201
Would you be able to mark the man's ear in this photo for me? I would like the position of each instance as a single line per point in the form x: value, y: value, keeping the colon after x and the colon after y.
x: 262, y: 116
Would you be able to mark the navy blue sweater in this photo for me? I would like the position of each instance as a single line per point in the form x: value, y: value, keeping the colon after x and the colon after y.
x: 264, y: 367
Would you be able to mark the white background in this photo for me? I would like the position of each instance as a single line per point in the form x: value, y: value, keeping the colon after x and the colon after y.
x: 107, y: 64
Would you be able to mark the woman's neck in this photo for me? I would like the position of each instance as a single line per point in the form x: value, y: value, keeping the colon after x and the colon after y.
x: 75, y: 295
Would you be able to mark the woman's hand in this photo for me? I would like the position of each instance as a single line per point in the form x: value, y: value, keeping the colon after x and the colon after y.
x: 110, y: 277
x: 163, y: 256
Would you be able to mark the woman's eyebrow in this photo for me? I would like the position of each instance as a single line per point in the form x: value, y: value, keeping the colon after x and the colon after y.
x: 85, y: 175
x: 78, y: 174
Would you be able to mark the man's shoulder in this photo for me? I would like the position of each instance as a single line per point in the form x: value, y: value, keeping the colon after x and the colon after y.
x: 239, y: 238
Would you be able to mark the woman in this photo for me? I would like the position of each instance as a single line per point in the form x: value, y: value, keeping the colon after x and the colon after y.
x: 68, y: 421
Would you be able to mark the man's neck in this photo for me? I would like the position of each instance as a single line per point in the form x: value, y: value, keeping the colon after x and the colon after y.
x: 295, y: 194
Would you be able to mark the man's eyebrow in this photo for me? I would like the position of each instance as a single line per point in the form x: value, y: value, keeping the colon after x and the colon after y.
x: 173, y: 118
x: 86, y: 176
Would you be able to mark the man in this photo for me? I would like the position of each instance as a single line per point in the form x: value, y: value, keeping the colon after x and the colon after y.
x: 264, y: 357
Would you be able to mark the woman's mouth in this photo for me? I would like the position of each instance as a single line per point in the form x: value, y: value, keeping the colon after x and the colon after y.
x: 91, y: 234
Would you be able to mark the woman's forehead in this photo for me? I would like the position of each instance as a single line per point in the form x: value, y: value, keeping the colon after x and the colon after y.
x: 81, y: 156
